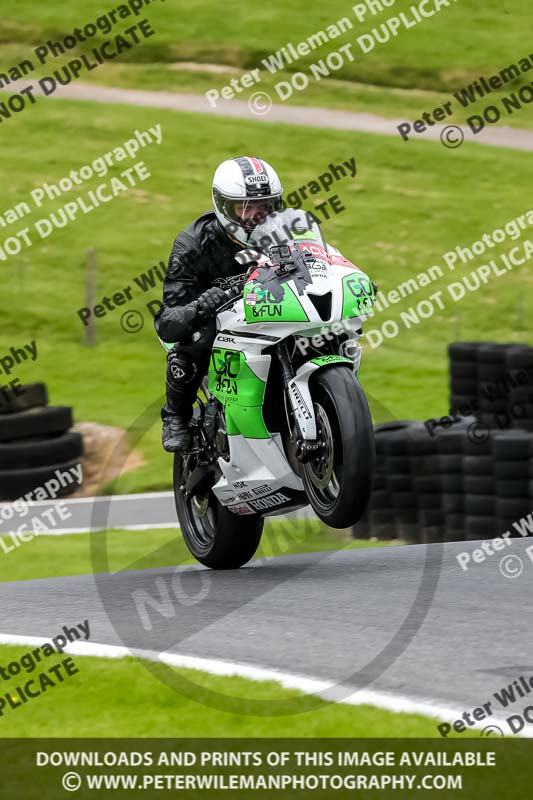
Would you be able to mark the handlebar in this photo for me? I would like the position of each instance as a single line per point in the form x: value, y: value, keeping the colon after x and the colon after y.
x: 231, y: 293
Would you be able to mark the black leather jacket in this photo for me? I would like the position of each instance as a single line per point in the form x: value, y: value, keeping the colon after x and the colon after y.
x: 201, y: 253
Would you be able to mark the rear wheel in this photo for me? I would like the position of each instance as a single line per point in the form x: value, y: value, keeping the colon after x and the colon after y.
x: 214, y: 536
x: 338, y: 479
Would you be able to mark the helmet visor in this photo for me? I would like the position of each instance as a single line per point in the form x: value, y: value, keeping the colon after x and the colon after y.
x: 247, y: 212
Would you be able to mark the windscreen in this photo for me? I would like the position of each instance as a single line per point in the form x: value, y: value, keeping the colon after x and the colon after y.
x: 284, y: 227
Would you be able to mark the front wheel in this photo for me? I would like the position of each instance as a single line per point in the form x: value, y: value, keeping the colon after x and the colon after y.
x: 338, y: 478
x: 214, y: 536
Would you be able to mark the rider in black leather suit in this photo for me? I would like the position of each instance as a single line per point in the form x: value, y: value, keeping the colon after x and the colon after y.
x: 201, y: 254
x: 245, y: 191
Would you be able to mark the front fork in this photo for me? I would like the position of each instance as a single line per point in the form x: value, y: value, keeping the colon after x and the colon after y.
x: 303, y: 423
x: 300, y: 410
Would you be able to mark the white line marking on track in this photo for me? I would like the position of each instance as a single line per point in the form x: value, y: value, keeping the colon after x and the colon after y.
x: 98, y: 498
x: 384, y: 700
x: 172, y: 523
x: 72, y: 531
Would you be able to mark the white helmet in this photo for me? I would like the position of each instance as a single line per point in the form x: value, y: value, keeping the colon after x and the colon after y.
x: 245, y: 191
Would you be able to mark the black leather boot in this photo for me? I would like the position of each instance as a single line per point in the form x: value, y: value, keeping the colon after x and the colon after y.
x: 177, y: 434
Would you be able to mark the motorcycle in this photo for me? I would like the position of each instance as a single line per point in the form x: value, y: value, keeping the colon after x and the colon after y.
x: 281, y: 420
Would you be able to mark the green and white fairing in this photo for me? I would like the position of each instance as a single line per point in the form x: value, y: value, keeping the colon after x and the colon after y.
x: 339, y: 297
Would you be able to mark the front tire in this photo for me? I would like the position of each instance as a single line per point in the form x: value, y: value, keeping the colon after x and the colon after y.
x: 338, y: 480
x: 214, y: 536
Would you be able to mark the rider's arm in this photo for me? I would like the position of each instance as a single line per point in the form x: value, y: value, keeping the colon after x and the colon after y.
x: 176, y: 318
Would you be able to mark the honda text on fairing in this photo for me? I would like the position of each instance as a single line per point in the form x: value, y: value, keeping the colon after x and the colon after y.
x: 279, y: 423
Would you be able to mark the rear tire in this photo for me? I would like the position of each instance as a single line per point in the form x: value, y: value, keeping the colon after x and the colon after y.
x: 338, y: 482
x: 214, y: 536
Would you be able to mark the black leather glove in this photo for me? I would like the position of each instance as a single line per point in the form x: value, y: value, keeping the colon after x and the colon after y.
x: 174, y: 323
x: 210, y: 300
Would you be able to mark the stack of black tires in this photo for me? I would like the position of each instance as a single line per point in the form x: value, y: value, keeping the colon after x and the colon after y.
x: 451, y: 447
x: 463, y: 377
x: 380, y: 517
x: 478, y: 482
x: 471, y: 475
x: 513, y: 476
x: 35, y: 441
x: 449, y: 485
x: 494, y: 382
x: 519, y: 364
x: 390, y: 514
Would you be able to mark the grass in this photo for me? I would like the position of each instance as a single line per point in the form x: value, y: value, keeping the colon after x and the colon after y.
x: 402, y: 79
x: 470, y: 40
x: 122, y: 698
x: 407, y: 206
x: 59, y: 556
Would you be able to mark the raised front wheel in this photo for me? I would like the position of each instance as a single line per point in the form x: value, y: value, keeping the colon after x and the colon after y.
x: 338, y: 478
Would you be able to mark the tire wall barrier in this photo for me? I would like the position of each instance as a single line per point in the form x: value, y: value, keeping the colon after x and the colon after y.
x: 35, y: 442
x: 470, y: 475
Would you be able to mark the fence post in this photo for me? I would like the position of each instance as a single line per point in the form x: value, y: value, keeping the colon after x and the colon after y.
x: 90, y: 295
